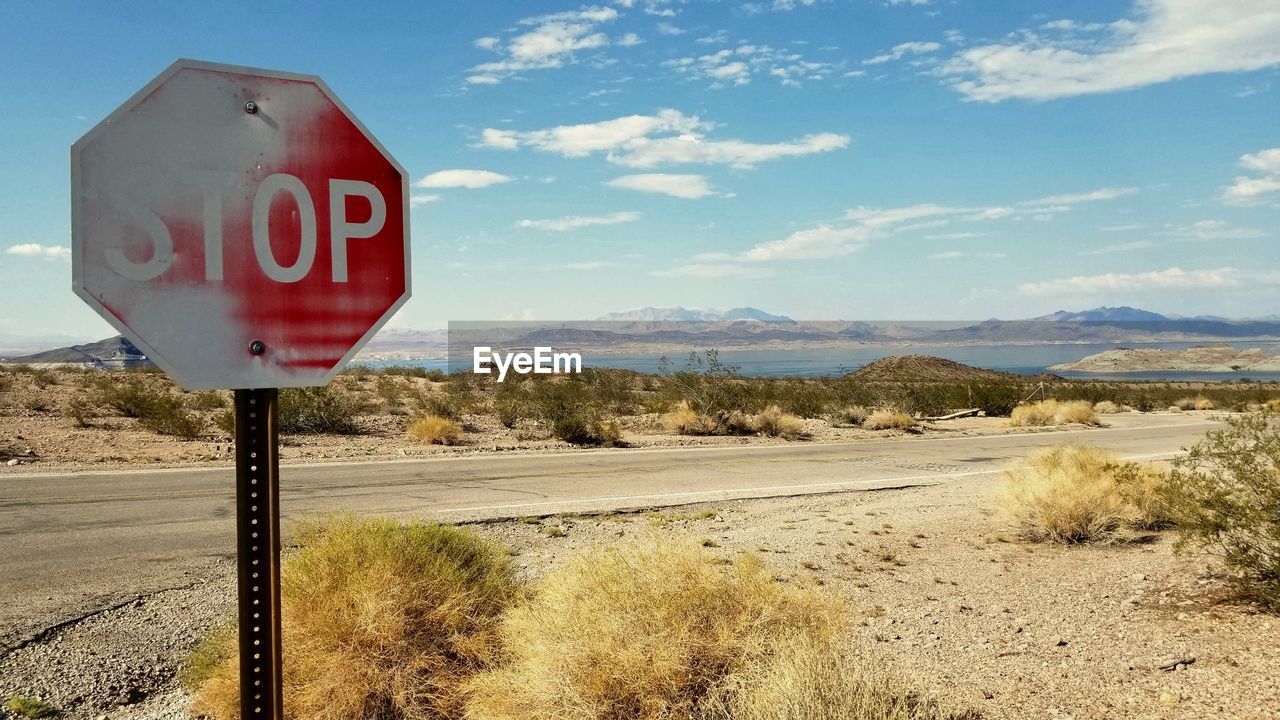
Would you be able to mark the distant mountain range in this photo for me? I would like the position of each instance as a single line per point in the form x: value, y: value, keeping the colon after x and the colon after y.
x: 679, y: 314
x: 678, y: 329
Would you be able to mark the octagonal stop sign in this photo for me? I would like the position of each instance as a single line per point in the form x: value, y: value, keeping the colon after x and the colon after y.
x: 240, y: 226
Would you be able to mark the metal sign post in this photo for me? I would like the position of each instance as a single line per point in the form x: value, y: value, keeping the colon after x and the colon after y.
x: 258, y: 553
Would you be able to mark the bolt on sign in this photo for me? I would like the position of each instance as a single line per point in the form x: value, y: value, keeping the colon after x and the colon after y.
x: 245, y: 231
x: 240, y: 226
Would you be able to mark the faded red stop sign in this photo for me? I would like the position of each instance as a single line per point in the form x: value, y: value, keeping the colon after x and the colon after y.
x: 240, y: 226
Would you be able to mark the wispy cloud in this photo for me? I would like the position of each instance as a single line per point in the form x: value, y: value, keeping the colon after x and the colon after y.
x: 962, y: 254
x: 1174, y: 278
x: 666, y: 138
x: 461, y: 178
x: 418, y: 200
x: 1122, y: 247
x: 48, y: 252
x: 544, y: 42
x: 1167, y: 40
x: 573, y: 222
x: 897, y: 52
x: 740, y: 64
x: 1213, y: 230
x: 860, y: 226
x: 716, y: 270
x: 689, y: 187
x: 1263, y: 186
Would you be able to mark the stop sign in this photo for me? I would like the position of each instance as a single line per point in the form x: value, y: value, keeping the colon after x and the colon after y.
x: 240, y: 226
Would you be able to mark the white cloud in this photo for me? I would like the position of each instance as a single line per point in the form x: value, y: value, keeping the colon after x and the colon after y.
x: 669, y: 29
x: 1122, y: 247
x: 817, y: 243
x: 48, y: 252
x: 1173, y: 278
x: 1263, y: 187
x: 629, y: 40
x: 572, y: 222
x: 712, y: 271
x: 862, y: 225
x: 471, y: 179
x: 738, y: 65
x: 689, y: 187
x: 552, y: 42
x: 420, y: 200
x: 1169, y: 39
x: 959, y: 254
x: 587, y: 265
x: 898, y: 51
x: 630, y: 141
x: 1214, y: 230
x: 1107, y: 193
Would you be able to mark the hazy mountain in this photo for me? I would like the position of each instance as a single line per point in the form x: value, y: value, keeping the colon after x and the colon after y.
x: 680, y: 314
x: 112, y: 353
x: 1123, y: 313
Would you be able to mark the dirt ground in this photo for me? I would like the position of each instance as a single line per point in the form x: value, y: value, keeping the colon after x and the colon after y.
x: 40, y: 433
x: 938, y: 591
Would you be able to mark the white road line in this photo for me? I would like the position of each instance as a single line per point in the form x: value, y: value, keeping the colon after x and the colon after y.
x: 765, y: 489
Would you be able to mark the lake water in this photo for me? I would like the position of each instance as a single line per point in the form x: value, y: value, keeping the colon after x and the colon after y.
x: 1019, y: 359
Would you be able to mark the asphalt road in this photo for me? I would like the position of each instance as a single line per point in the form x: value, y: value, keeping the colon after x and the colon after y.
x: 75, y: 543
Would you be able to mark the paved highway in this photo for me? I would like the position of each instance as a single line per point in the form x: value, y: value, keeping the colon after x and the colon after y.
x: 76, y: 542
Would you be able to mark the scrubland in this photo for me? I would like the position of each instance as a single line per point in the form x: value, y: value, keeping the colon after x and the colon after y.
x: 78, y: 418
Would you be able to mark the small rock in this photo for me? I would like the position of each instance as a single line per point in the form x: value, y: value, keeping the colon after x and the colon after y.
x: 1139, y: 577
x: 1176, y: 663
x: 1059, y: 642
x: 13, y: 461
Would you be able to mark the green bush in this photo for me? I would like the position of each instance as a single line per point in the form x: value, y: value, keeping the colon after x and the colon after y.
x: 324, y: 409
x: 1224, y: 496
x: 156, y: 409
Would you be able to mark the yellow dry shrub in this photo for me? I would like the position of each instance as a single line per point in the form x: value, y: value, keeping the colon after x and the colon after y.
x: 1034, y: 414
x: 684, y: 420
x: 772, y: 421
x: 380, y: 619
x: 1106, y: 407
x: 1052, y: 412
x: 435, y: 430
x: 1175, y: 409
x: 1076, y: 493
x: 1079, y: 412
x: 1199, y: 402
x: 888, y: 419
x: 642, y: 632
x: 807, y: 679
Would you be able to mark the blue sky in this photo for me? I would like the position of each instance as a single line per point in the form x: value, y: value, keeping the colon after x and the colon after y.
x: 900, y: 159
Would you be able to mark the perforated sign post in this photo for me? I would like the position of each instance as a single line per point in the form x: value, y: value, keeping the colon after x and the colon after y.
x: 245, y: 231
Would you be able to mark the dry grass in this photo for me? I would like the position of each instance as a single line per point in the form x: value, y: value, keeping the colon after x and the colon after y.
x: 1106, y: 407
x: 1076, y: 494
x: 772, y: 421
x: 1175, y: 409
x: 853, y: 415
x: 1078, y: 412
x: 812, y: 680
x: 436, y: 430
x: 684, y: 420
x: 1198, y: 402
x: 1052, y: 412
x: 644, y: 631
x: 888, y: 419
x: 381, y: 620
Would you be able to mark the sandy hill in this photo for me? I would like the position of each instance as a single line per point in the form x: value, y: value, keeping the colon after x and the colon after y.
x: 926, y: 368
x: 1202, y: 358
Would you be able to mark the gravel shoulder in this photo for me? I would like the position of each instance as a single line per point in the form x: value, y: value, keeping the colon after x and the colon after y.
x: 939, y: 589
